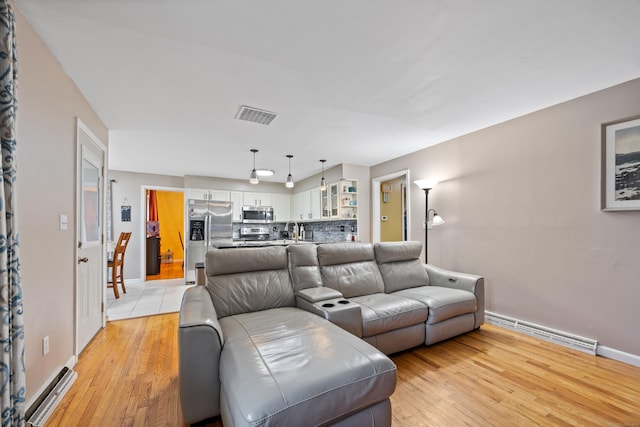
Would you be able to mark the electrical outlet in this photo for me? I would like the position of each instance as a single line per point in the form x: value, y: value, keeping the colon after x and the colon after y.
x: 45, y: 345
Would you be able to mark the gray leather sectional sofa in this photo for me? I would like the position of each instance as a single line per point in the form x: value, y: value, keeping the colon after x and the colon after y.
x: 298, y: 335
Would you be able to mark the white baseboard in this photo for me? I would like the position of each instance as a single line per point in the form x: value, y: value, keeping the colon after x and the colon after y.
x: 620, y: 356
x: 566, y: 339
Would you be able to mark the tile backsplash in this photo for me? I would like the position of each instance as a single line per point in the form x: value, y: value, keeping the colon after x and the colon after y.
x: 320, y: 231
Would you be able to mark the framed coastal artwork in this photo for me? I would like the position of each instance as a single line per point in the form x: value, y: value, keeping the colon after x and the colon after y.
x: 621, y: 164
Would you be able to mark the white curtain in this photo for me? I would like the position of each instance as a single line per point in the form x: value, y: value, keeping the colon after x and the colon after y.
x: 12, y: 371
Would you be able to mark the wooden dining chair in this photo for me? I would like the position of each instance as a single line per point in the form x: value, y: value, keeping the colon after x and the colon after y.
x: 117, y: 264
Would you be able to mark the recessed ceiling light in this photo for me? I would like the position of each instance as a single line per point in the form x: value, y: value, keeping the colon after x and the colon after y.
x: 265, y: 172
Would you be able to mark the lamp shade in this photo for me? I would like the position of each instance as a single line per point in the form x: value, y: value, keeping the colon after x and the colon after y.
x: 289, y: 182
x: 253, y: 178
x: 426, y: 183
x: 323, y: 182
x: 437, y: 219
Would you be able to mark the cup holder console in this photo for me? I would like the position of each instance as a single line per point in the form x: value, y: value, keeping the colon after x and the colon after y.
x: 330, y: 304
x: 342, y: 312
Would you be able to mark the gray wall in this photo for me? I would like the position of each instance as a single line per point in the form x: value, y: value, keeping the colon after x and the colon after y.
x: 522, y: 205
x: 48, y: 104
x: 130, y: 185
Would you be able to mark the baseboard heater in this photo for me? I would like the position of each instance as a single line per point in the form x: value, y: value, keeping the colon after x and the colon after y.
x: 43, y: 407
x: 575, y: 342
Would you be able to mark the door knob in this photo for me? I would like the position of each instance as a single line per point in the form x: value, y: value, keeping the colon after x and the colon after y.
x: 83, y: 259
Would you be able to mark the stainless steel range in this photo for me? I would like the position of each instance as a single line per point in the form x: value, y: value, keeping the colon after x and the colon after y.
x: 255, y: 232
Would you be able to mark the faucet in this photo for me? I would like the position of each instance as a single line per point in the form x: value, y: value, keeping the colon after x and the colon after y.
x: 295, y: 226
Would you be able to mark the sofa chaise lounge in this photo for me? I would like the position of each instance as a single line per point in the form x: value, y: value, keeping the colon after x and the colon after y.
x: 299, y: 335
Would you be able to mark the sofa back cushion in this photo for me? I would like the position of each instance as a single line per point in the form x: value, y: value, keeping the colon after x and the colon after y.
x: 350, y: 268
x: 303, y: 266
x: 248, y: 279
x: 400, y: 265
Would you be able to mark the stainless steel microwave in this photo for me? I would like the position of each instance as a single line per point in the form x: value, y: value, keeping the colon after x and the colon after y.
x: 257, y: 214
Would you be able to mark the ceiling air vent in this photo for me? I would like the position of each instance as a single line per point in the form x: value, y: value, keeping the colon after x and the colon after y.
x: 255, y: 115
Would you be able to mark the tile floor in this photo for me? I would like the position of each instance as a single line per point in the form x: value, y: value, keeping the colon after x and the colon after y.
x: 146, y: 299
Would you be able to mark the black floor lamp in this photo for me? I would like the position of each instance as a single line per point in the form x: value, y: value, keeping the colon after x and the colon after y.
x: 426, y: 185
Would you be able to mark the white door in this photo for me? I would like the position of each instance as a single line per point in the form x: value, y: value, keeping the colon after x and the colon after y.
x: 90, y: 277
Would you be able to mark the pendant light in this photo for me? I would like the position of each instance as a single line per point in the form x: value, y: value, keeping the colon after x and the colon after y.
x: 289, y: 182
x: 253, y: 178
x: 323, y: 182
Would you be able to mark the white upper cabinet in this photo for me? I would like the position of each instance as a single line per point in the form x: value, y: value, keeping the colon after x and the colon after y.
x: 197, y: 194
x: 219, y: 195
x: 237, y: 197
x: 206, y: 194
x: 306, y: 205
x: 258, y: 199
x: 281, y: 206
x: 315, y: 203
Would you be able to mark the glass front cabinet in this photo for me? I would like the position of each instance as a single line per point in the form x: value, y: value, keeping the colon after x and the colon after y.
x: 340, y: 200
x: 333, y: 200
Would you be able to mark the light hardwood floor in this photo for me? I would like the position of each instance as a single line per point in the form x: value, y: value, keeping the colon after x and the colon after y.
x: 172, y: 270
x: 127, y: 376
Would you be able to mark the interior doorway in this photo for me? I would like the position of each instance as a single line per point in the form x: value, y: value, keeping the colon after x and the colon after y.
x: 164, y: 231
x: 391, y: 214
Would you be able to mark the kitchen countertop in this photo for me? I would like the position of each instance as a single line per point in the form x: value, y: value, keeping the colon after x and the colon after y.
x: 257, y: 243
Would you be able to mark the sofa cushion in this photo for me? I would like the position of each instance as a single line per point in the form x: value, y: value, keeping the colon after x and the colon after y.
x: 350, y: 268
x: 385, y: 312
x: 303, y: 266
x: 400, y: 265
x: 248, y: 279
x: 444, y: 303
x: 285, y: 365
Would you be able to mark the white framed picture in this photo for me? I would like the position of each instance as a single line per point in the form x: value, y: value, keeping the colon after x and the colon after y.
x: 621, y: 164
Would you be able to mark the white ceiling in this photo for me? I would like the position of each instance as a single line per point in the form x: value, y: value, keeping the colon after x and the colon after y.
x: 357, y: 81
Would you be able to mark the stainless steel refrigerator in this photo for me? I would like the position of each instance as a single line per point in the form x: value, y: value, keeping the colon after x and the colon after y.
x: 208, y: 223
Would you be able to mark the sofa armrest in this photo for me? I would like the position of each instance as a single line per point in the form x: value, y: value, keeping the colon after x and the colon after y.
x: 200, y: 343
x: 467, y: 282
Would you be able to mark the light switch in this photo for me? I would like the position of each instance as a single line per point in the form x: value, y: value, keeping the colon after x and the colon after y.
x: 63, y: 222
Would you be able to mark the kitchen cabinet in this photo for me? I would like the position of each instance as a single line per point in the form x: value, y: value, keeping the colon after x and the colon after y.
x: 340, y: 200
x: 281, y: 206
x: 237, y: 197
x: 325, y: 206
x: 315, y: 203
x: 206, y: 194
x: 257, y: 199
x: 219, y: 195
x: 197, y: 193
x: 333, y: 200
x: 298, y: 206
x: 306, y: 205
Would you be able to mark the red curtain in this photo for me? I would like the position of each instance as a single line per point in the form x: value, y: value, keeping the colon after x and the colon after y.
x: 152, y: 208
